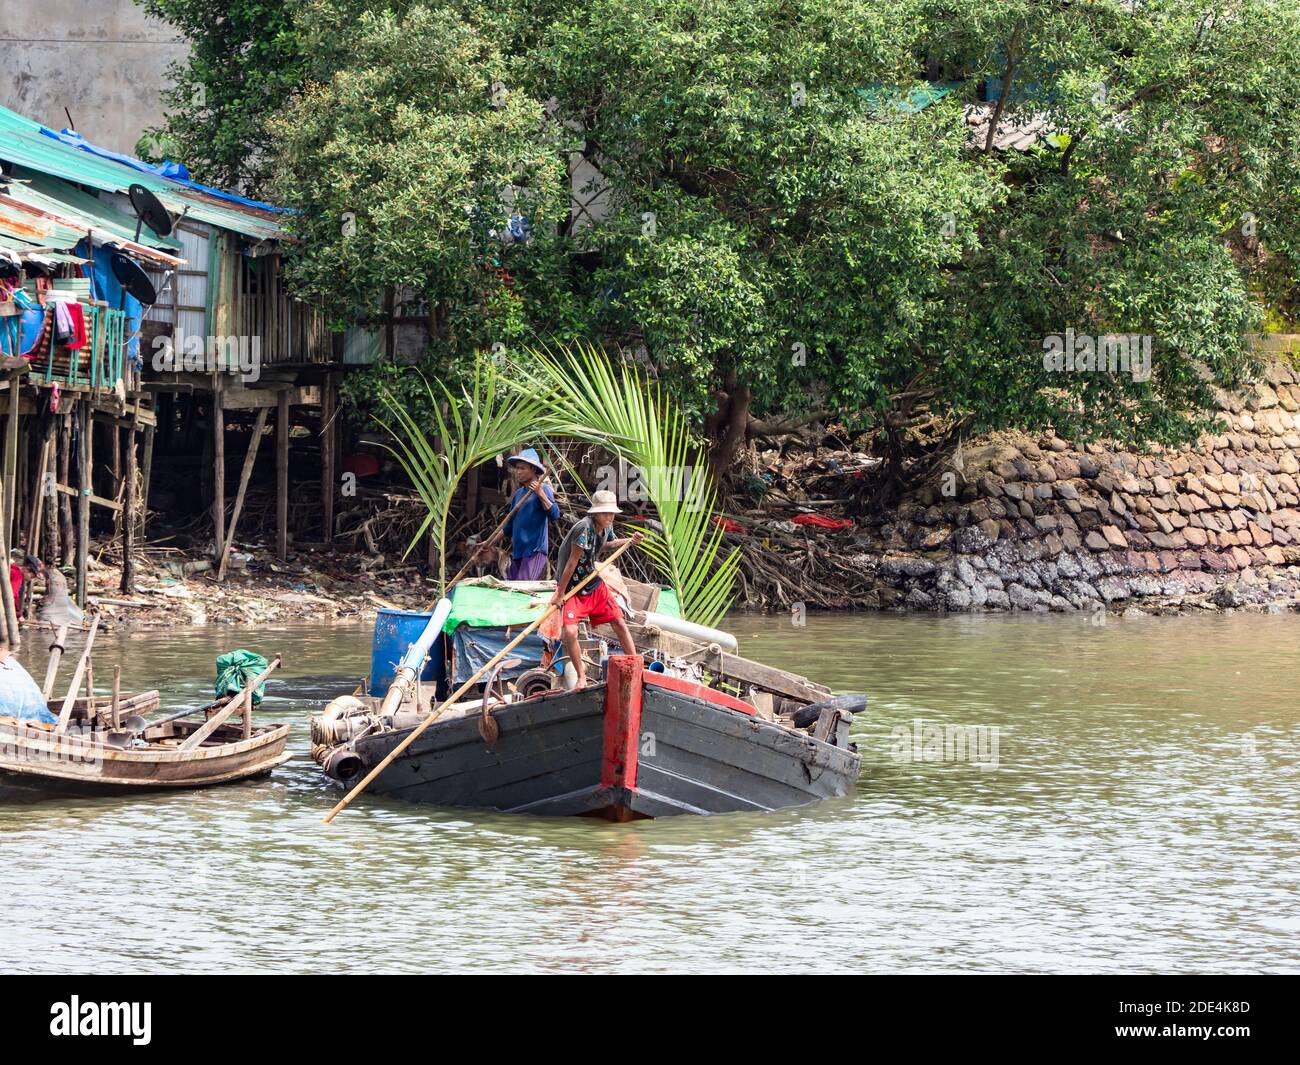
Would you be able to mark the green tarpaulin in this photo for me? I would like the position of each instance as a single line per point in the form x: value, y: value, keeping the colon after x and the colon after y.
x: 237, y: 668
x: 483, y: 606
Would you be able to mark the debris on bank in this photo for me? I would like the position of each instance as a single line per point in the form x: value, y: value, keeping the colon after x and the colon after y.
x: 313, y: 586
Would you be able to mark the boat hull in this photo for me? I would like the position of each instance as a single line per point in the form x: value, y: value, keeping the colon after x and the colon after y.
x: 37, y: 765
x: 630, y: 748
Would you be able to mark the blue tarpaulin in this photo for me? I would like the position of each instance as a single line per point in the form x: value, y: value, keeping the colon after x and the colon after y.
x: 105, y: 287
x: 177, y: 172
x: 19, y: 695
x: 475, y: 648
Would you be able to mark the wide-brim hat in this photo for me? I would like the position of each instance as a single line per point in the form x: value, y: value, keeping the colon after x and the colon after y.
x: 604, y: 503
x: 530, y: 456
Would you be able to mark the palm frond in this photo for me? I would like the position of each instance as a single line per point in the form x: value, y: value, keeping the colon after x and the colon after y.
x: 611, y: 403
x: 483, y: 421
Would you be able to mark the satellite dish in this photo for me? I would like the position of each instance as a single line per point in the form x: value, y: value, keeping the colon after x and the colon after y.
x: 150, y: 211
x: 133, y: 279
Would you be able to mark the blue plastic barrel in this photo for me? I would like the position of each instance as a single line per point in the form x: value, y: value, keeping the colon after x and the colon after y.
x: 395, y: 631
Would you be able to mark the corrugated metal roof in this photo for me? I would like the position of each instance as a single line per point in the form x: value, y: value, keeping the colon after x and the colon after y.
x: 48, y: 222
x: 1016, y: 134
x: 23, y: 143
x: 59, y: 196
x: 29, y: 252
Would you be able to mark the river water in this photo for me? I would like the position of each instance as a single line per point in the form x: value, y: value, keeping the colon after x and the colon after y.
x: 1038, y: 794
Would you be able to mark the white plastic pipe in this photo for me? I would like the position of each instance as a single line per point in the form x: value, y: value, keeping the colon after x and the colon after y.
x: 725, y: 640
x: 413, y: 660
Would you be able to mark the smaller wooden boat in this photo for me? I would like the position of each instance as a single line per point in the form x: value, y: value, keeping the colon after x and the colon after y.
x: 112, y: 750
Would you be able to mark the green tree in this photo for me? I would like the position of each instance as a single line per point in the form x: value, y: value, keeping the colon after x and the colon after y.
x: 804, y: 217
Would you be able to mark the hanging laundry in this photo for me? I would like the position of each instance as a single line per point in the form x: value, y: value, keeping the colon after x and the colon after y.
x: 79, y: 338
x: 64, y: 332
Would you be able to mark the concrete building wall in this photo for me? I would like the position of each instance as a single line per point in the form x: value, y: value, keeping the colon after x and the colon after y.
x: 101, y: 59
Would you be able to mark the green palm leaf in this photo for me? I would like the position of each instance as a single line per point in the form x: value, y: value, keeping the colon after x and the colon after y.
x: 485, y: 420
x: 610, y: 403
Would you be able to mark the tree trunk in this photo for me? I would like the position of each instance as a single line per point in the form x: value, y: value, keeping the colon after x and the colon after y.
x: 733, y: 422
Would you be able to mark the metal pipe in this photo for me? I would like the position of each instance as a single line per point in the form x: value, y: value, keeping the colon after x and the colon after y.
x: 725, y: 640
x: 413, y: 661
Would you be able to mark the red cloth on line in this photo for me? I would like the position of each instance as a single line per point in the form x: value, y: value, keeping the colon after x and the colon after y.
x: 822, y: 522
x: 78, y: 327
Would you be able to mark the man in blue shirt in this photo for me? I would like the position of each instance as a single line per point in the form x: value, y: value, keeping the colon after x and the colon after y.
x: 527, y: 527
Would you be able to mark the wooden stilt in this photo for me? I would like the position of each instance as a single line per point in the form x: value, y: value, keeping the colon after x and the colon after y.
x: 128, y: 514
x: 327, y: 486
x: 118, y: 487
x: 6, y: 589
x: 282, y: 430
x: 146, y: 471
x: 218, y: 472
x: 65, y: 472
x: 11, y: 460
x: 250, y: 458
x: 83, y: 500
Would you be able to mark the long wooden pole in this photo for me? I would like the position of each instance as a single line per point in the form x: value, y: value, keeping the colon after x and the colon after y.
x: 327, y: 486
x: 83, y: 501
x: 465, y: 568
x: 116, y: 716
x: 218, y: 472
x: 127, y: 585
x: 455, y: 696
x: 52, y: 667
x: 10, y: 607
x: 250, y: 459
x: 282, y: 417
x: 65, y: 714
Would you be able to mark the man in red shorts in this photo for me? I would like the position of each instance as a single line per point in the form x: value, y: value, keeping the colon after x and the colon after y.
x: 595, y: 602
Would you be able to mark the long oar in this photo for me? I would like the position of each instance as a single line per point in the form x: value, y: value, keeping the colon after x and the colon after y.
x: 451, y: 699
x: 465, y: 568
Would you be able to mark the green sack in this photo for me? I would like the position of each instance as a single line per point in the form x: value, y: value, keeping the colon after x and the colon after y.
x: 237, y: 668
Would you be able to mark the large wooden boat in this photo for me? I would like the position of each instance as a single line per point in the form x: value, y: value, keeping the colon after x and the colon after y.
x: 683, y: 727
x: 91, y: 757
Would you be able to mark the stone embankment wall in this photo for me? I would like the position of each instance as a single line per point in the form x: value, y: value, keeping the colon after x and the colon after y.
x: 1040, y: 524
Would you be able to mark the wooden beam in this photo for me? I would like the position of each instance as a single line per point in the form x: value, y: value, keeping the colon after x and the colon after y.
x: 11, y: 462
x: 327, y: 486
x: 99, y: 501
x: 128, y: 517
x: 283, y: 427
x: 218, y: 472
x: 250, y: 458
x: 83, y: 502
